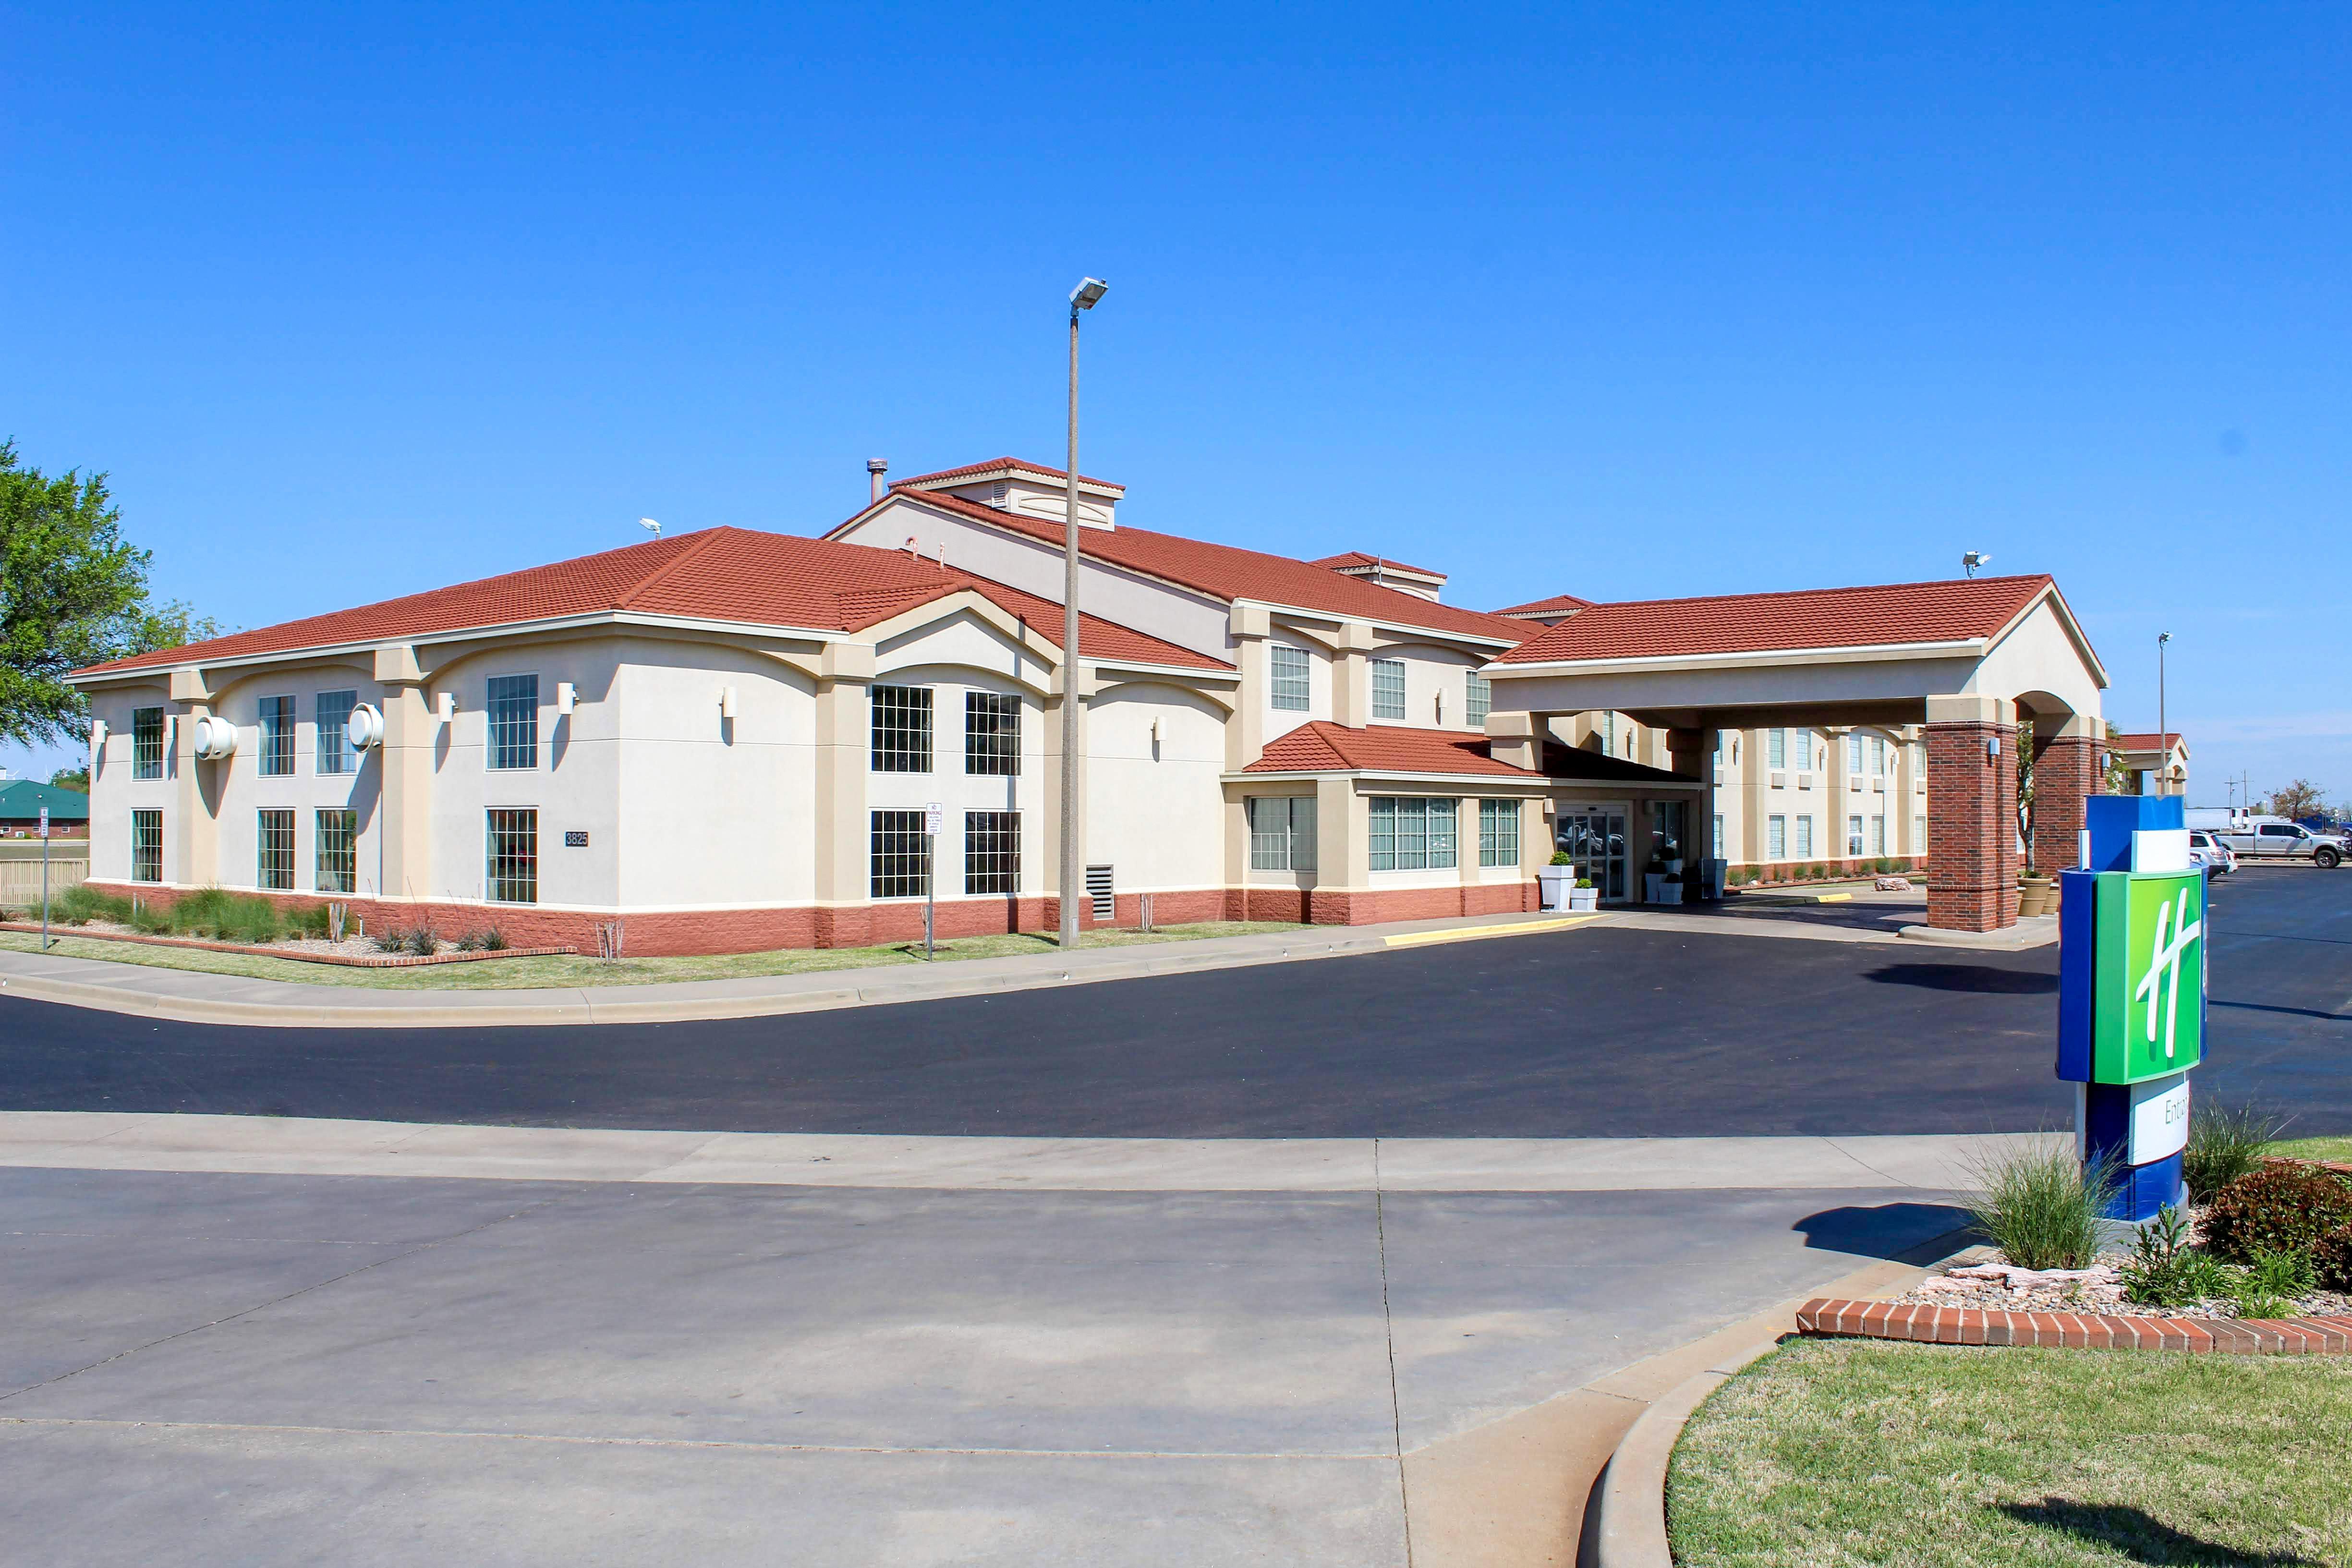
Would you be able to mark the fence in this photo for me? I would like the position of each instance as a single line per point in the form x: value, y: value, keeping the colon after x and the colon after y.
x: 20, y: 879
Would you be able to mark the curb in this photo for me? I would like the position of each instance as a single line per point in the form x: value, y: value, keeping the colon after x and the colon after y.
x: 1626, y: 1525
x: 1832, y: 1319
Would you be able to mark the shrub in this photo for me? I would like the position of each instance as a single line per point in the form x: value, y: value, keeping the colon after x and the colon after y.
x: 2041, y: 1207
x: 2331, y: 1259
x: 2164, y: 1270
x: 79, y: 905
x: 308, y: 920
x: 494, y: 941
x: 2277, y: 1208
x: 1559, y: 857
x: 391, y: 940
x: 2224, y: 1145
x: 424, y: 942
x: 2281, y: 1274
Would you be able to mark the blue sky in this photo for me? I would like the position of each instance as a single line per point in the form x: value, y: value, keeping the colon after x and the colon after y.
x: 1555, y: 299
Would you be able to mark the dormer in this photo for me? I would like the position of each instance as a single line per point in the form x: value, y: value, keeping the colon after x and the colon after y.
x: 1382, y: 572
x: 1030, y: 490
x: 1547, y: 612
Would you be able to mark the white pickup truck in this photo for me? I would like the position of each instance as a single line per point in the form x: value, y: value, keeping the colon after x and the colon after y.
x: 2272, y: 838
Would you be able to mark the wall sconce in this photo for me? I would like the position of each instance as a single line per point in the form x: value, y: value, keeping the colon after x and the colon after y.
x: 727, y: 702
x: 1992, y: 747
x: 445, y: 704
x: 97, y: 734
x: 567, y: 697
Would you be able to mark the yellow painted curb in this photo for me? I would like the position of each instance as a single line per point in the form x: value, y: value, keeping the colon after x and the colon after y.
x: 1476, y: 933
x: 1834, y: 899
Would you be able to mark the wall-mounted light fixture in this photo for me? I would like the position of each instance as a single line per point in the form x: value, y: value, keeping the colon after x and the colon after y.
x: 567, y: 697
x: 727, y: 702
x: 445, y: 704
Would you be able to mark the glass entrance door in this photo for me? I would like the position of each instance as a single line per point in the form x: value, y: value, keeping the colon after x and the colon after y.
x: 1594, y: 837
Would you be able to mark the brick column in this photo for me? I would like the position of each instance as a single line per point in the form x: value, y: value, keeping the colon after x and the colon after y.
x: 2065, y: 770
x: 1971, y: 814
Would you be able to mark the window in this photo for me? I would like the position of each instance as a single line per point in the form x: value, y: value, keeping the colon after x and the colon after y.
x: 1853, y: 753
x: 1800, y: 747
x: 1776, y: 748
x: 899, y: 863
x: 273, y: 852
x: 1388, y: 689
x: 1714, y: 843
x: 1878, y: 835
x: 1411, y: 834
x: 1776, y: 837
x: 1854, y: 836
x: 1879, y: 755
x: 147, y: 842
x: 1282, y: 833
x: 511, y: 871
x: 147, y: 744
x: 1477, y: 700
x: 1805, y: 837
x: 514, y: 724
x: 334, y: 710
x: 991, y: 851
x: 335, y: 853
x: 1609, y: 734
x: 1498, y: 832
x: 276, y: 737
x: 902, y: 729
x: 1289, y: 677
x: 1918, y: 835
x: 991, y: 733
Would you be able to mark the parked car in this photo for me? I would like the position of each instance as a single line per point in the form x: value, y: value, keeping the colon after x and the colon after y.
x: 2207, y: 849
x: 2276, y: 838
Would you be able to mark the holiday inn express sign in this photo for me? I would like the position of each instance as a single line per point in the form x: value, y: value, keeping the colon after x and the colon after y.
x: 2131, y: 994
x: 2149, y: 1017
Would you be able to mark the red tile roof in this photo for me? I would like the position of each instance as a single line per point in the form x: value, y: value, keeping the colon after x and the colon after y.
x: 1558, y: 603
x: 1357, y: 558
x: 1226, y: 571
x: 1320, y: 746
x: 720, y: 574
x: 997, y: 466
x: 2145, y: 741
x: 1953, y: 610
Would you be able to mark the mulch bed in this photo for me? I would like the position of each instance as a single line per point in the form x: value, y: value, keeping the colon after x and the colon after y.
x: 1827, y: 1317
x: 297, y: 954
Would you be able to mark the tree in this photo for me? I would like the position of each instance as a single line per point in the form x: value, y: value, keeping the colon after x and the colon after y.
x: 75, y: 779
x: 2118, y: 776
x: 2300, y: 799
x: 72, y: 591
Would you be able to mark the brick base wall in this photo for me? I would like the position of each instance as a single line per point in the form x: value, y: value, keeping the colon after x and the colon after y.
x: 1971, y: 828
x: 2065, y: 770
x: 1425, y: 903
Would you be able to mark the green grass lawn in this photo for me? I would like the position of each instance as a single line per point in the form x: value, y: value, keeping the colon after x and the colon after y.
x: 2313, y: 1147
x: 535, y: 973
x: 1833, y: 1452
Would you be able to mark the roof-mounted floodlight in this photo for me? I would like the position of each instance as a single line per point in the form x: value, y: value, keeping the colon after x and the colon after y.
x: 1089, y: 290
x: 1972, y: 559
x: 650, y: 525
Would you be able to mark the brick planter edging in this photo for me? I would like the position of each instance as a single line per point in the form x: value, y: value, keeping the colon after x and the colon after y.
x: 269, y: 950
x: 1827, y: 1317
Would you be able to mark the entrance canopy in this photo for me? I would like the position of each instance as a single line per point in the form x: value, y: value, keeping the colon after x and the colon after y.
x: 1821, y: 656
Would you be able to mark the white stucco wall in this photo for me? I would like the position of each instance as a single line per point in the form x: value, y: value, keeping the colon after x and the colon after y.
x: 113, y: 793
x: 1155, y: 813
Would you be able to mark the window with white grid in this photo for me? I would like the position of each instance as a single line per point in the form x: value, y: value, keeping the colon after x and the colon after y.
x: 991, y: 852
x: 1477, y: 700
x: 1854, y: 836
x: 1388, y: 689
x: 274, y: 841
x: 1411, y: 834
x: 1776, y: 838
x: 1878, y: 835
x: 335, y: 852
x: 1498, y: 832
x: 1289, y: 677
x: 330, y: 713
x: 1879, y: 755
x: 276, y: 737
x: 510, y: 872
x: 1853, y: 753
x: 1918, y: 835
x: 902, y: 729
x: 147, y: 845
x: 1805, y: 837
x: 899, y: 863
x: 1776, y: 748
x: 513, y: 718
x: 991, y: 733
x: 147, y: 743
x: 1282, y: 833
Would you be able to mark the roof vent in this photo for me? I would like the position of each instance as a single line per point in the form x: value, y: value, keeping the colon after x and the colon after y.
x: 875, y: 470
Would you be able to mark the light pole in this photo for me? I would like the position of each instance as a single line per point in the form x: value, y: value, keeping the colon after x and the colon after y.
x: 1082, y: 297
x: 2163, y: 736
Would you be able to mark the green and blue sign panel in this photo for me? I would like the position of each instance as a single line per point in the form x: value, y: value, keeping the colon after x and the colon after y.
x: 2131, y: 995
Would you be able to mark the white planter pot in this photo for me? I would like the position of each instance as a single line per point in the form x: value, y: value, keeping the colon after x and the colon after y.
x: 1557, y: 882
x: 1584, y: 898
